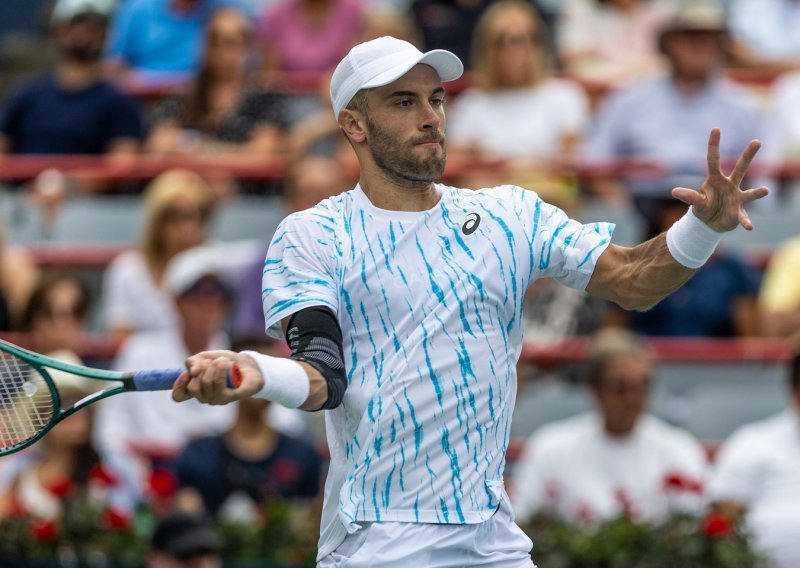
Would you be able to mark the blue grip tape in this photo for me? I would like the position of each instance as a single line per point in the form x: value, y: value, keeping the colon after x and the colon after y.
x: 156, y: 380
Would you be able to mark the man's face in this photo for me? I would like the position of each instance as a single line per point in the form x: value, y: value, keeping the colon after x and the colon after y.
x: 622, y: 392
x: 82, y: 38
x: 694, y: 54
x: 405, y: 127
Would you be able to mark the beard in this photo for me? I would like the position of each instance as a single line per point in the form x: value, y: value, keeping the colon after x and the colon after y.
x: 83, y: 53
x: 401, y: 165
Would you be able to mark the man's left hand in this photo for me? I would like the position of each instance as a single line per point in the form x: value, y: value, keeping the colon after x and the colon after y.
x: 720, y: 202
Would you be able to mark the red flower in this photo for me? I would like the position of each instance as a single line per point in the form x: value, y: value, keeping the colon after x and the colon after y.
x: 162, y: 483
x: 716, y: 526
x: 115, y: 519
x: 101, y: 476
x: 676, y: 481
x: 62, y: 487
x: 44, y: 530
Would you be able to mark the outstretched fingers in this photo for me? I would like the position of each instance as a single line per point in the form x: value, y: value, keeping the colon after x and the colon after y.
x: 688, y: 196
x: 743, y: 163
x: 713, y: 152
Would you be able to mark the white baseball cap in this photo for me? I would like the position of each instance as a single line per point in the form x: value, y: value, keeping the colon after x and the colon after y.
x: 380, y: 61
x: 188, y: 267
x: 65, y: 10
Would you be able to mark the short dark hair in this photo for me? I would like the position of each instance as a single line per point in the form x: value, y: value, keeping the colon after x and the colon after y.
x: 359, y: 101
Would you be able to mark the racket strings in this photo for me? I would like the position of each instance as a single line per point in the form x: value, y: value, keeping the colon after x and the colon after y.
x: 26, y: 401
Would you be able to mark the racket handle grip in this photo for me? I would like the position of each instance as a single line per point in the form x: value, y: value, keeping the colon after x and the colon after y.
x: 164, y: 379
x: 156, y: 380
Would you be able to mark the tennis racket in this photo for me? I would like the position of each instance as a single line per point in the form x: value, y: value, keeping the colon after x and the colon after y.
x: 30, y: 405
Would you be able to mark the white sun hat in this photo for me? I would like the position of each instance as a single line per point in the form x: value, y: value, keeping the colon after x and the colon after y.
x: 380, y: 61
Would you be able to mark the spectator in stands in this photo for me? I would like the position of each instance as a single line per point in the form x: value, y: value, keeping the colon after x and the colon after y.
x: 149, y: 426
x: 308, y: 181
x: 18, y: 277
x: 755, y: 475
x: 308, y: 36
x: 229, y: 475
x: 665, y: 119
x: 224, y: 113
x: 513, y: 78
x: 779, y: 298
x: 617, y: 461
x: 63, y: 464
x: 782, y: 134
x: 183, y: 540
x: 55, y: 317
x: 73, y: 110
x: 178, y: 205
x: 761, y: 36
x: 449, y: 24
x: 157, y: 42
x: 610, y: 42
x: 729, y: 311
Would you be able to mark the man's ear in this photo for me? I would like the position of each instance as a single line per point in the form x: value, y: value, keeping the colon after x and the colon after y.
x: 354, y: 125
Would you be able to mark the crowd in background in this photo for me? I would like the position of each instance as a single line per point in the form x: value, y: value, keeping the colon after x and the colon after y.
x: 586, y: 102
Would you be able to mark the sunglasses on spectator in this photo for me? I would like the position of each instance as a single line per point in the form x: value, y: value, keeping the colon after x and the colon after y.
x: 178, y: 214
x: 504, y: 41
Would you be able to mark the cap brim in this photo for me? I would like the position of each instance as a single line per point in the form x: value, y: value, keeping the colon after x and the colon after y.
x: 446, y: 65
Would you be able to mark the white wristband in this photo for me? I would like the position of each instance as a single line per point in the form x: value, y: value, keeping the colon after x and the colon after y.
x: 285, y: 380
x: 691, y: 242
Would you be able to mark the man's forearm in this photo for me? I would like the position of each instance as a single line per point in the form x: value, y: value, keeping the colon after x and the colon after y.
x: 638, y: 278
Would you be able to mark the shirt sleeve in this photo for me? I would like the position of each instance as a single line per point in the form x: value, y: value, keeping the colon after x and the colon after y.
x: 300, y: 268
x: 562, y: 248
x: 120, y: 33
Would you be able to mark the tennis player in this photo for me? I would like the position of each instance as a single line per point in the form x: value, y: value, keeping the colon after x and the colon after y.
x: 401, y: 301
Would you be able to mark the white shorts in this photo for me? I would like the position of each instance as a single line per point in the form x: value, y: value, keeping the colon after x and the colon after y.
x: 495, y: 543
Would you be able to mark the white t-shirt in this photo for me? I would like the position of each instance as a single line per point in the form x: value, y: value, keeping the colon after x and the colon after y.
x: 575, y: 469
x: 131, y: 297
x: 759, y: 467
x: 521, y: 123
x: 430, y: 307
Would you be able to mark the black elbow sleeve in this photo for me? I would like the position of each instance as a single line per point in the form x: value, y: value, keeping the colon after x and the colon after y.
x: 315, y: 338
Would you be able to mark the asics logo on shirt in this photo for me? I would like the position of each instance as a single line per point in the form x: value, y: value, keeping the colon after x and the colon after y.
x: 471, y: 224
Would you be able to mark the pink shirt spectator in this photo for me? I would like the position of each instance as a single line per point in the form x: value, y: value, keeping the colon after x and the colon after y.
x: 604, y: 43
x: 298, y: 46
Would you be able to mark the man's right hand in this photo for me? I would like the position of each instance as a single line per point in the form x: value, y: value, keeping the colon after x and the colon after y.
x: 206, y: 378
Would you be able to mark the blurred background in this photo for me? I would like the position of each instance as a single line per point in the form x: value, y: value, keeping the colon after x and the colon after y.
x: 149, y: 148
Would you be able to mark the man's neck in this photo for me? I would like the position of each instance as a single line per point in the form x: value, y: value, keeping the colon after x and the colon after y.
x: 689, y: 86
x: 196, y: 341
x: 74, y: 76
x: 253, y: 440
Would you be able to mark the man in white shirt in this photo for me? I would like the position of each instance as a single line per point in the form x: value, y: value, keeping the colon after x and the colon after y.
x: 402, y: 300
x: 616, y: 461
x: 757, y: 473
